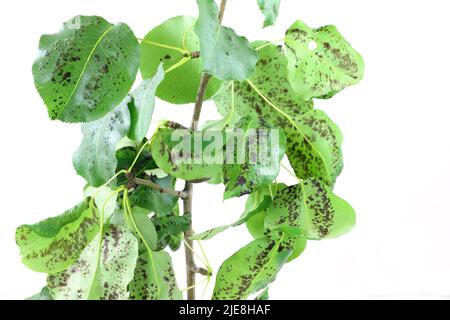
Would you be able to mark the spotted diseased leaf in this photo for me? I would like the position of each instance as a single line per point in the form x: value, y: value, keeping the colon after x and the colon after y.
x: 270, y: 10
x: 271, y: 78
x: 251, y: 269
x: 246, y: 216
x: 86, y: 69
x: 180, y: 85
x: 256, y: 159
x: 188, y: 155
x: 321, y: 61
x: 311, y: 210
x: 313, y: 140
x: 314, y: 147
x: 225, y: 55
x: 142, y: 105
x: 154, y: 278
x: 95, y: 160
x: 103, y: 270
x: 54, y: 244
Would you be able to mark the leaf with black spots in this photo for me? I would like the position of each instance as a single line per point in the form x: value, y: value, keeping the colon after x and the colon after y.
x: 54, y: 244
x: 224, y: 54
x: 103, y: 270
x: 321, y: 61
x: 313, y: 140
x: 142, y: 105
x: 95, y: 160
x: 251, y: 269
x: 310, y: 210
x: 256, y: 159
x: 180, y: 85
x: 87, y: 69
x: 271, y: 78
x: 270, y: 10
x: 175, y: 151
x: 154, y: 278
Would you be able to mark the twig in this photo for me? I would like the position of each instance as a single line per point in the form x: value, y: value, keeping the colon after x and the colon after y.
x: 187, y: 203
x: 151, y: 184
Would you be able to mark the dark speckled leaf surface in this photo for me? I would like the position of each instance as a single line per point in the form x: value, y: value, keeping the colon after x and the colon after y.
x: 313, y: 140
x: 170, y: 154
x: 321, y: 61
x: 250, y: 269
x: 86, y: 69
x: 54, y: 244
x: 103, y: 270
x: 95, y: 160
x: 154, y: 278
x: 310, y: 209
x: 263, y: 154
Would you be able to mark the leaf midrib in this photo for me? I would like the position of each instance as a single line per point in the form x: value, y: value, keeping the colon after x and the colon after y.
x: 89, y: 58
x: 278, y: 109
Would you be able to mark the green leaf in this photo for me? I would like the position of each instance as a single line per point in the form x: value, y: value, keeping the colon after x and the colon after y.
x: 264, y: 295
x: 225, y: 55
x: 250, y: 269
x: 271, y: 78
x: 103, y: 270
x: 145, y: 227
x: 125, y: 158
x: 54, y: 244
x: 153, y: 200
x: 174, y: 152
x: 297, y: 244
x: 44, y: 294
x: 154, y: 278
x: 313, y: 140
x: 255, y: 224
x: 314, y: 147
x: 86, y: 69
x: 95, y: 160
x: 169, y: 226
x: 105, y: 199
x: 181, y: 84
x: 209, y: 234
x: 262, y: 150
x: 321, y: 61
x: 311, y: 210
x: 142, y: 105
x: 270, y: 10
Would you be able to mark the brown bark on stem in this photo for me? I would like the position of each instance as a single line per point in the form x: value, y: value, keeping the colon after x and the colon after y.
x: 191, y: 267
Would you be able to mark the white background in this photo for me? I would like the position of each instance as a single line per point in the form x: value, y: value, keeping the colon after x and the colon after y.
x: 396, y: 149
